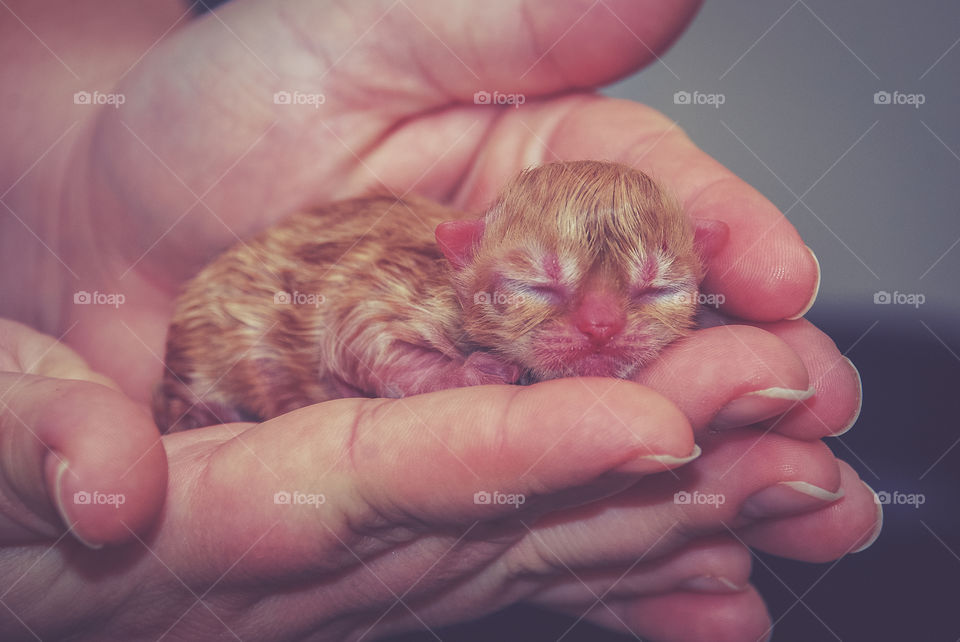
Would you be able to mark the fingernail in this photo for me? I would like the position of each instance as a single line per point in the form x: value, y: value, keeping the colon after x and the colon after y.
x: 856, y: 415
x: 757, y: 406
x: 711, y: 584
x: 876, y: 533
x: 816, y: 290
x: 787, y: 498
x: 671, y: 461
x: 63, y: 467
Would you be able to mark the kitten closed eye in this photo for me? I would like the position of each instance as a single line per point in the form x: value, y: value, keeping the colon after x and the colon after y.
x: 549, y: 293
x: 652, y: 293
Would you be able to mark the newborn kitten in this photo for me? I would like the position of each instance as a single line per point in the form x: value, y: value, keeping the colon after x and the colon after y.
x: 578, y: 268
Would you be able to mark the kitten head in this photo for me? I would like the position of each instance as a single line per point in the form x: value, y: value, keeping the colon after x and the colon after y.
x: 579, y: 268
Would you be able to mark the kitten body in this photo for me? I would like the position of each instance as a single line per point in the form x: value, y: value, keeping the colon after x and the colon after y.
x: 578, y: 268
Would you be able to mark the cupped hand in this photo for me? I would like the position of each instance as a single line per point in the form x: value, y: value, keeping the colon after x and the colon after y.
x: 200, y: 156
x: 381, y: 96
x: 572, y: 494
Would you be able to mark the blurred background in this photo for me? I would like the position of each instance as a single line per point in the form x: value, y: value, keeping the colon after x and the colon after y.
x: 872, y: 182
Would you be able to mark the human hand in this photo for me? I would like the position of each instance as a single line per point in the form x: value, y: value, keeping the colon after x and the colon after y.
x: 148, y: 192
x: 65, y: 429
x: 200, y: 155
x: 395, y: 547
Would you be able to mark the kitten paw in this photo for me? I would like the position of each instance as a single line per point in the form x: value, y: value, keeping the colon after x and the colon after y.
x: 482, y: 368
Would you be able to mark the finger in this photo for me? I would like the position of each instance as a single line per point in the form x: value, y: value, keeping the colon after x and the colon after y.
x: 452, y: 457
x: 846, y: 526
x: 557, y: 47
x: 764, y: 271
x: 742, y: 477
x: 77, y: 455
x: 729, y: 376
x: 684, y: 616
x: 708, y: 565
x: 424, y: 61
x: 535, y: 441
x: 554, y: 48
x: 24, y: 350
x: 836, y: 405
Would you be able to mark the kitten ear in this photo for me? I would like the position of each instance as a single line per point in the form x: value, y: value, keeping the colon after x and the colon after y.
x: 458, y: 240
x: 709, y: 236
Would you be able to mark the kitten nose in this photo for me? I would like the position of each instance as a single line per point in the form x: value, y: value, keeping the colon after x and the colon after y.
x: 599, y: 332
x: 599, y: 317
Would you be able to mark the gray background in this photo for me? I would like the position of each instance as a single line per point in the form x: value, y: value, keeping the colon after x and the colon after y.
x: 799, y: 80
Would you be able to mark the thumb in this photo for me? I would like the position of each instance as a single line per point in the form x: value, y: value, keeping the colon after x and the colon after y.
x: 247, y: 118
x: 75, y: 454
